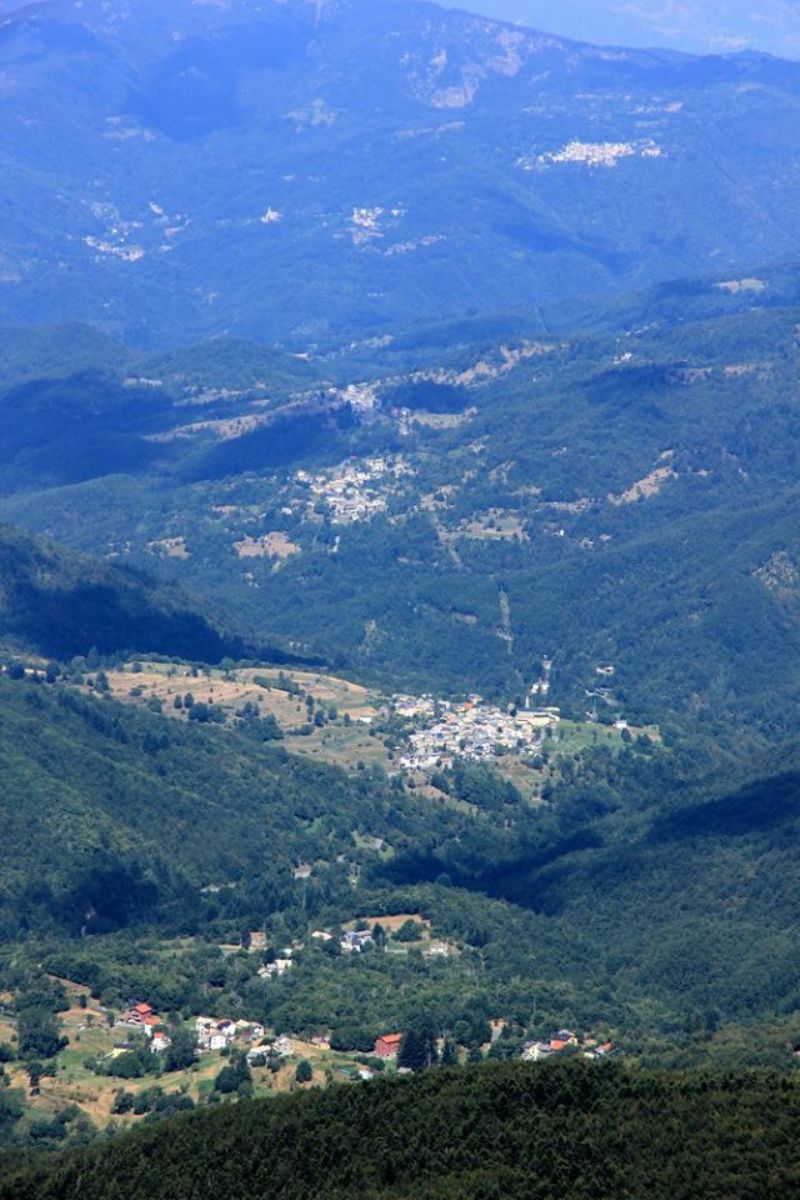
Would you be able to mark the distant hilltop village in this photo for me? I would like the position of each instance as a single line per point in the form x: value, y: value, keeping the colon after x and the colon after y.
x: 355, y: 491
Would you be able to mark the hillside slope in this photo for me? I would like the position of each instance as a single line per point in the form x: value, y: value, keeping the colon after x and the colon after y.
x: 118, y: 817
x: 524, y: 1133
x: 655, y: 884
x: 61, y: 604
x: 623, y: 497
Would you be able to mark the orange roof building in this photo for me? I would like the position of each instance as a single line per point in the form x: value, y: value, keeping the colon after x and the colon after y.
x: 139, y: 1013
x: 388, y: 1045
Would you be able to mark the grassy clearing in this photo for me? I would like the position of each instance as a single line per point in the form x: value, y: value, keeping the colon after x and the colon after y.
x: 342, y: 744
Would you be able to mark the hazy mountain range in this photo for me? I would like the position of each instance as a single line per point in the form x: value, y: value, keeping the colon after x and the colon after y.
x: 700, y: 26
x: 418, y: 162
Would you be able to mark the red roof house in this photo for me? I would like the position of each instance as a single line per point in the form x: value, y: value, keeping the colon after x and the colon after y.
x: 139, y: 1014
x: 388, y: 1045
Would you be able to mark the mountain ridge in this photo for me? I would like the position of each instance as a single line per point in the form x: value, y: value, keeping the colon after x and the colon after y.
x: 344, y: 136
x: 62, y: 604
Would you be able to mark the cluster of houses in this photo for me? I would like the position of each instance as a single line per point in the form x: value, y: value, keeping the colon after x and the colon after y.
x: 349, y: 492
x: 215, y: 1034
x: 212, y: 1033
x: 142, y: 1016
x: 351, y: 942
x: 470, y: 730
x: 565, y: 1039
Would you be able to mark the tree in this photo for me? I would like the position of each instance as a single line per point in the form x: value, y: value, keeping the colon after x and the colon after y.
x: 38, y: 1034
x: 412, y: 1051
x: 182, y: 1052
x: 304, y: 1072
x: 409, y: 931
x: 123, y: 1101
x: 449, y: 1054
x: 227, y: 1081
x: 418, y: 1047
x: 379, y: 935
x: 232, y: 1076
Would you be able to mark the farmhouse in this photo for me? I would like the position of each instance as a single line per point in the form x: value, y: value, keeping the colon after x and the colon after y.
x: 275, y: 969
x: 139, y: 1014
x: 356, y: 940
x: 251, y: 1031
x: 284, y: 1046
x: 388, y: 1045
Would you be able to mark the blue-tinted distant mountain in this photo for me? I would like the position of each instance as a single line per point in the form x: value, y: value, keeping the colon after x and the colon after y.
x: 286, y: 170
x: 700, y: 26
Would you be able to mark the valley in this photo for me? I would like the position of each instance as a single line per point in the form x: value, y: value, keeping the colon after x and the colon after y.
x: 399, y: 609
x: 344, y: 723
x: 432, y: 528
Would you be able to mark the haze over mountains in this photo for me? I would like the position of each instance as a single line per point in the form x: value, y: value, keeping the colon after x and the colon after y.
x: 419, y: 162
x: 697, y: 26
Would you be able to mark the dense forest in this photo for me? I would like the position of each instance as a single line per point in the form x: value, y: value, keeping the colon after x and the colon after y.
x: 119, y: 816
x: 61, y: 604
x: 577, y: 1131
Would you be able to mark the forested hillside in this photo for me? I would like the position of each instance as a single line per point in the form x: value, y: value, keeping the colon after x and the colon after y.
x: 62, y: 604
x: 131, y: 824
x: 451, y: 506
x: 578, y: 1131
x: 399, y: 609
x: 120, y: 818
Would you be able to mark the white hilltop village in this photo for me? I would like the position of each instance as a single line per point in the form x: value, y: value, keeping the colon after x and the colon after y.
x: 473, y: 730
x: 355, y: 491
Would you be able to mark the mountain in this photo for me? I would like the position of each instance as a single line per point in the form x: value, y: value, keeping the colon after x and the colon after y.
x: 61, y: 604
x: 520, y: 1132
x: 699, y: 26
x: 294, y: 170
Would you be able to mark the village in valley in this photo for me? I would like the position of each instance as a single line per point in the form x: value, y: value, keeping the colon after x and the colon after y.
x: 343, y: 722
x: 223, y: 1035
x: 93, y: 1073
x: 118, y: 1060
x: 470, y: 730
